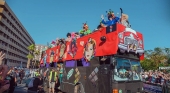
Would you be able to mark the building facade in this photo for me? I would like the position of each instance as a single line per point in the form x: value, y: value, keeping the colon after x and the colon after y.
x: 14, y: 38
x: 40, y: 48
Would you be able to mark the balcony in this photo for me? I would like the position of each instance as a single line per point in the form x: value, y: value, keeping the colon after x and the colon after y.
x: 4, y: 21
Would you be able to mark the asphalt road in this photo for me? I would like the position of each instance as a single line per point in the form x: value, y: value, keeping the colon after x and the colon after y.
x: 20, y: 89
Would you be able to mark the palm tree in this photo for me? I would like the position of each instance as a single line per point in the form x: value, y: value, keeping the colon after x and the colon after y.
x: 167, y: 51
x: 30, y: 56
x: 158, y: 56
x: 36, y: 53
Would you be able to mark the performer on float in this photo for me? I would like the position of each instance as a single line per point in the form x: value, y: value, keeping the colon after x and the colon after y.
x: 48, y: 56
x: 43, y: 59
x: 62, y: 49
x: 54, y: 57
x: 68, y: 39
x: 124, y: 21
x: 85, y: 30
x: 77, y: 35
x: 100, y: 26
x: 57, y: 42
x: 112, y: 19
x: 53, y: 43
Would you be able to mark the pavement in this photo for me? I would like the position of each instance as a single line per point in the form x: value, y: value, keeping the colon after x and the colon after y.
x: 20, y: 88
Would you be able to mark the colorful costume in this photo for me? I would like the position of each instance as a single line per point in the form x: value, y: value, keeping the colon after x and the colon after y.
x: 51, y: 56
x: 85, y: 30
x: 111, y: 19
x: 124, y: 21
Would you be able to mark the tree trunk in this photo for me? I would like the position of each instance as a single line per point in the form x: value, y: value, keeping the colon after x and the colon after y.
x: 34, y: 63
x: 28, y: 63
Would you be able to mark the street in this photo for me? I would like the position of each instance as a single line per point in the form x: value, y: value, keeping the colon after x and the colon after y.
x: 20, y: 89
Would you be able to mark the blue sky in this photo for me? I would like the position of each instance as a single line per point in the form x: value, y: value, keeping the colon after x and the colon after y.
x: 46, y: 20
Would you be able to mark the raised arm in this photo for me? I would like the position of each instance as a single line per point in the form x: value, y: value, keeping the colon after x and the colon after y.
x: 2, y: 56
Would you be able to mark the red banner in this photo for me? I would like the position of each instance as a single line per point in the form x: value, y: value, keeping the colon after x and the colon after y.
x: 114, y: 37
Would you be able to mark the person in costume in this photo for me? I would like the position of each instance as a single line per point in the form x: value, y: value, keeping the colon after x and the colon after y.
x: 47, y: 60
x: 62, y: 48
x: 57, y: 42
x: 73, y: 36
x: 100, y: 26
x: 68, y: 37
x: 124, y: 21
x: 51, y: 56
x: 112, y: 19
x: 85, y: 30
x: 73, y: 48
x: 77, y: 35
x: 44, y: 56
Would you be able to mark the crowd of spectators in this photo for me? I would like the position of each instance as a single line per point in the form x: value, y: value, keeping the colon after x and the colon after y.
x: 4, y: 84
x: 156, y: 77
x: 10, y: 76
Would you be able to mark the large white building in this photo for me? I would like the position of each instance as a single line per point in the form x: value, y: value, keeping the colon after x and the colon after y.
x: 14, y: 38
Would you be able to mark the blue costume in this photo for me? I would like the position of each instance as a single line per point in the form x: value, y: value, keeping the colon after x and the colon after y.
x: 111, y: 22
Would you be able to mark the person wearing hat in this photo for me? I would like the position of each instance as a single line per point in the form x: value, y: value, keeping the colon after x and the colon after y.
x: 112, y: 19
x: 85, y: 30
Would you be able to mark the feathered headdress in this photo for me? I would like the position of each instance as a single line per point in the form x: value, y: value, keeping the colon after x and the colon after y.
x: 85, y: 25
x: 110, y: 13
